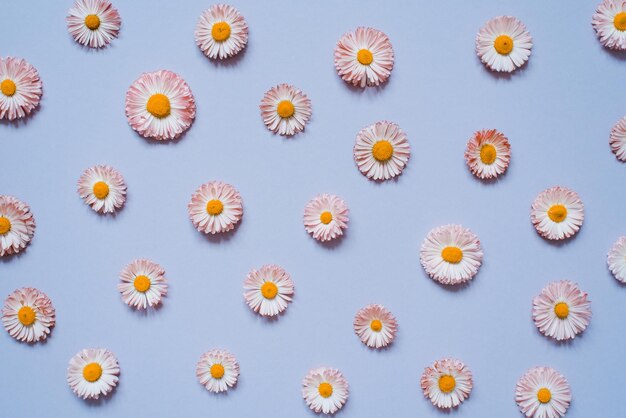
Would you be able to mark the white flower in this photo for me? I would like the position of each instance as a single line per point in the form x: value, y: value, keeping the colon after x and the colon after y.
x: 375, y: 326
x: 616, y: 259
x: 557, y: 213
x: 561, y: 310
x: 325, y: 390
x: 217, y: 370
x: 215, y: 207
x: 28, y: 315
x: 93, y: 23
x: 221, y: 31
x: 447, y: 383
x: 503, y: 44
x: 142, y: 284
x: 543, y: 393
x: 268, y: 291
x: 103, y: 188
x: 285, y: 109
x: 381, y: 150
x: 609, y: 22
x: 93, y: 372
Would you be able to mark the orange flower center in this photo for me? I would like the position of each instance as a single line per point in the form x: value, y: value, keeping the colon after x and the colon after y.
x: 217, y: 371
x: 325, y: 389
x: 561, y: 310
x: 364, y: 56
x: 92, y: 372
x: 285, y: 109
x: 487, y: 154
x: 92, y: 22
x: 159, y: 106
x: 5, y: 225
x: 544, y: 395
x: 447, y: 383
x: 326, y: 217
x: 382, y: 150
x: 269, y: 290
x: 503, y: 44
x: 214, y: 207
x: 8, y: 87
x: 620, y: 21
x: 452, y: 255
x: 100, y: 190
x: 376, y: 325
x: 26, y: 315
x: 557, y: 213
x: 220, y: 31
x: 142, y: 283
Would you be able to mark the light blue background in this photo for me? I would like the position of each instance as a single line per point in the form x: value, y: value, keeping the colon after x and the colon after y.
x: 557, y: 113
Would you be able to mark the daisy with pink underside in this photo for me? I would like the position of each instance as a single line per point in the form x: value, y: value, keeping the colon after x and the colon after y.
x: 375, y: 325
x: 103, y: 188
x: 616, y: 259
x: 557, y: 213
x: 20, y: 88
x: 93, y: 23
x: 325, y: 390
x: 451, y: 254
x: 381, y: 151
x: 93, y: 372
x: 17, y: 225
x: 28, y: 315
x: 617, y: 140
x: 217, y: 370
x: 269, y: 290
x: 325, y: 217
x: 143, y: 284
x: 160, y: 105
x: 609, y: 22
x: 364, y: 57
x: 285, y: 109
x: 503, y: 44
x: 488, y: 154
x: 561, y: 311
x: 215, y: 207
x: 221, y: 31
x: 447, y: 383
x: 543, y: 393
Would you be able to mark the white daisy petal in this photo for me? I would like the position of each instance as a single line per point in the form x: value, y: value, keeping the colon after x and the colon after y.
x: 221, y: 32
x: 325, y: 217
x: 28, y: 315
x: 543, y: 393
x: 609, y: 22
x: 269, y: 290
x: 93, y: 23
x: 447, y: 383
x: 561, y: 310
x: 93, y: 372
x: 381, y: 151
x: 325, y: 390
x: 103, y: 188
x: 217, y: 370
x: 557, y: 213
x: 375, y: 326
x: 503, y: 44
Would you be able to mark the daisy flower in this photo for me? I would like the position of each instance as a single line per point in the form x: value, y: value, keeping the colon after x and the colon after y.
x: 217, y: 370
x: 609, y: 22
x: 617, y: 140
x: 325, y: 390
x: 557, y: 213
x: 285, y: 109
x: 215, y: 207
x: 221, y: 31
x: 451, y: 254
x: 160, y: 105
x: 364, y: 57
x: 561, y: 310
x: 325, y: 217
x: 488, y: 154
x: 142, y: 284
x: 28, y: 315
x: 93, y: 23
x: 17, y: 225
x: 20, y: 88
x: 375, y: 326
x: 503, y: 44
x: 381, y: 150
x: 93, y: 372
x: 268, y: 290
x: 616, y: 259
x: 103, y: 188
x: 447, y: 383
x: 543, y: 393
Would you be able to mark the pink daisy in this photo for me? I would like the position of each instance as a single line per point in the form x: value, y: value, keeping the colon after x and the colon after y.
x: 325, y: 217
x: 142, y: 284
x: 28, y: 315
x: 447, y: 383
x: 364, y: 57
x: 561, y: 311
x: 17, y: 225
x: 543, y: 393
x: 617, y: 140
x: 557, y: 213
x: 93, y: 23
x: 20, y: 88
x: 504, y: 44
x: 616, y: 259
x: 215, y: 207
x: 325, y: 390
x: 221, y: 31
x: 103, y: 188
x: 488, y: 154
x: 381, y: 151
x: 375, y: 326
x: 217, y: 370
x: 285, y: 109
x: 609, y: 22
x: 93, y: 372
x: 269, y: 290
x: 160, y: 105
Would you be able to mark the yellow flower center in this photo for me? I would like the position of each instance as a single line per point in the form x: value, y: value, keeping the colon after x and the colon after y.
x: 8, y: 87
x: 92, y: 372
x: 557, y: 213
x: 214, y: 207
x: 217, y: 371
x: 159, y: 105
x: 142, y: 283
x: 503, y: 44
x: 487, y: 154
x: 92, y: 22
x: 447, y: 383
x: 452, y: 255
x: 382, y: 150
x: 376, y: 325
x: 544, y: 395
x: 364, y: 56
x: 5, y: 225
x: 620, y: 21
x: 269, y: 290
x: 26, y: 315
x: 325, y: 389
x: 561, y: 310
x: 220, y: 31
x: 100, y: 190
x: 326, y: 217
x: 285, y: 109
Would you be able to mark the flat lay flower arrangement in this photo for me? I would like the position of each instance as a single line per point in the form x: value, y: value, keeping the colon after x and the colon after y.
x: 160, y: 106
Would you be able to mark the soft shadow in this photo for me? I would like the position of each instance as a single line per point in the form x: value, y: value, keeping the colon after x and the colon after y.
x: 9, y: 257
x: 518, y: 72
x: 16, y: 123
x: 334, y: 243
x: 362, y: 90
x: 149, y: 312
x: 266, y: 319
x: 166, y: 142
x: 226, y: 62
x: 617, y: 55
x: 454, y: 287
x: 94, y: 403
x: 558, y: 243
x: 221, y: 237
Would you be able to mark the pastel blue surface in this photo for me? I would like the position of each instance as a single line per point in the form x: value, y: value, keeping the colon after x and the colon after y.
x: 557, y: 113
